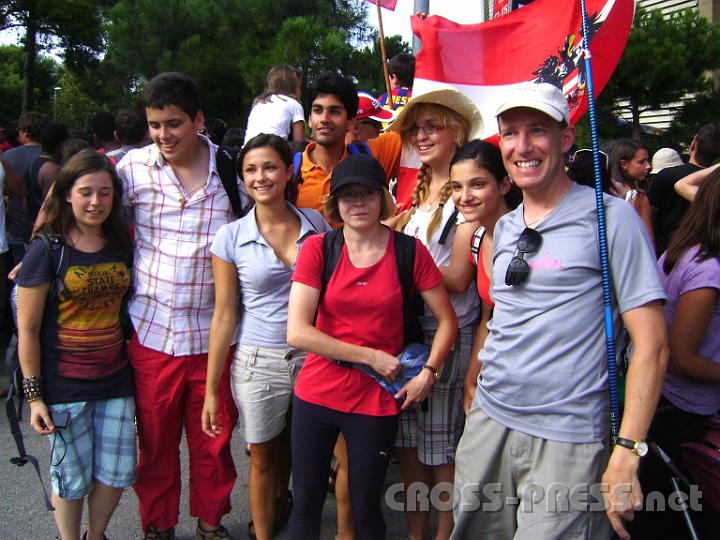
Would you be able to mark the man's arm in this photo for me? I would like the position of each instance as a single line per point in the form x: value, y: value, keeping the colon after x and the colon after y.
x: 646, y: 326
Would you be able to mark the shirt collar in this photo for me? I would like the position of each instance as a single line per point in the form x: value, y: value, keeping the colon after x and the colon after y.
x: 248, y: 228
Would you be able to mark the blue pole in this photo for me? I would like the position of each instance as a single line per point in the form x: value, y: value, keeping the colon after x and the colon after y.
x: 602, y: 237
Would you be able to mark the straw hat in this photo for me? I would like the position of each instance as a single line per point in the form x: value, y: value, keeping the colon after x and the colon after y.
x: 447, y: 97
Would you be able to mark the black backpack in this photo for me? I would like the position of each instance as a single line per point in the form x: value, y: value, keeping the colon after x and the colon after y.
x: 405, y: 263
x: 226, y: 162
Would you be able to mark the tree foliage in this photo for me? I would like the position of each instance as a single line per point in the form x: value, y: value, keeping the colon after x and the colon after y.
x: 667, y: 57
x: 73, y: 27
x: 12, y: 59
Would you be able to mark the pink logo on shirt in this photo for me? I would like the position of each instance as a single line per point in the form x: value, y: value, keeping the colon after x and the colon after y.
x: 546, y: 262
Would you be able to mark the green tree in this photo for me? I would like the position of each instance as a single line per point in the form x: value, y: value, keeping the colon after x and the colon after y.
x: 666, y: 58
x: 228, y: 45
x: 74, y: 27
x: 367, y: 62
x: 12, y: 59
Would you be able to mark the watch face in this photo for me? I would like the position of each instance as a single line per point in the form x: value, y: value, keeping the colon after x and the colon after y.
x: 641, y: 448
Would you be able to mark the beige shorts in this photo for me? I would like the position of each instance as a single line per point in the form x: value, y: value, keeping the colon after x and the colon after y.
x: 262, y: 382
x: 511, y: 485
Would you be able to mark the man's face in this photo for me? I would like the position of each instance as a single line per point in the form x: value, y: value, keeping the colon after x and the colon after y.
x: 533, y: 145
x: 328, y: 120
x: 174, y: 132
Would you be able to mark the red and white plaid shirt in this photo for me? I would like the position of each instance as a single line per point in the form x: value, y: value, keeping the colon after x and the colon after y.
x: 174, y: 291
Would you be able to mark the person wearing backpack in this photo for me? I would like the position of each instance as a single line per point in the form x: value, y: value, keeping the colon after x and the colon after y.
x: 77, y: 377
x: 435, y: 124
x: 179, y: 197
x: 690, y: 273
x: 253, y: 260
x: 355, y: 317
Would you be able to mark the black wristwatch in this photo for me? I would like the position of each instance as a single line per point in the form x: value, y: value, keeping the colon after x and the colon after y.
x: 639, y: 448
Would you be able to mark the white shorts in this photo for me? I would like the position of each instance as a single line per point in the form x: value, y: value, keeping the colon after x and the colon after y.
x: 262, y: 383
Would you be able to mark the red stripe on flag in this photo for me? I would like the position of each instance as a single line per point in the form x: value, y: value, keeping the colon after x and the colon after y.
x: 387, y: 4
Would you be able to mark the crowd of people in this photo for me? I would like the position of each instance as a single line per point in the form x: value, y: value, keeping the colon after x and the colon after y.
x: 159, y: 294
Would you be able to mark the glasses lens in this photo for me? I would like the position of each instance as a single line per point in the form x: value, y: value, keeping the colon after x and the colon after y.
x: 517, y: 272
x: 529, y: 241
x: 413, y: 130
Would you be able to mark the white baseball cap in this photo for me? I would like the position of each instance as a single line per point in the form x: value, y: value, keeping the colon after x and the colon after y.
x: 543, y: 97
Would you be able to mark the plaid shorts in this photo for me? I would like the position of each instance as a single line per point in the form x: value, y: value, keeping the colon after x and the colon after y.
x: 436, y: 431
x: 98, y: 444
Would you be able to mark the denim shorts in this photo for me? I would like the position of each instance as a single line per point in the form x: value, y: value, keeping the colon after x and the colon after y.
x: 262, y: 382
x: 98, y: 444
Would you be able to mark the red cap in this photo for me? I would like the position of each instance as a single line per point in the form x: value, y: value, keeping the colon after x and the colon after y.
x: 370, y: 108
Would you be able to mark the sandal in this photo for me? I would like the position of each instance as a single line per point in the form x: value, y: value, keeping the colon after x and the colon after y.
x: 153, y: 533
x: 84, y: 536
x: 283, y: 508
x: 219, y: 533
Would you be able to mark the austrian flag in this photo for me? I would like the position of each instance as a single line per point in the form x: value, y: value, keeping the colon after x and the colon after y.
x: 387, y: 4
x: 541, y: 42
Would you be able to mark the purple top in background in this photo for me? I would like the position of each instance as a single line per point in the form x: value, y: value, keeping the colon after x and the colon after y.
x: 689, y: 275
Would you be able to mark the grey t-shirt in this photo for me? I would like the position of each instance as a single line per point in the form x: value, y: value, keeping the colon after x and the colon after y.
x: 263, y: 280
x: 544, y: 362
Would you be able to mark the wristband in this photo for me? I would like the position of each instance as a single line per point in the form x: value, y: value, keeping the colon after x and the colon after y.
x: 32, y: 388
x: 432, y: 370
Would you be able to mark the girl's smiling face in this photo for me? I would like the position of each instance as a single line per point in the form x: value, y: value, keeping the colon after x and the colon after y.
x: 476, y: 192
x: 91, y: 199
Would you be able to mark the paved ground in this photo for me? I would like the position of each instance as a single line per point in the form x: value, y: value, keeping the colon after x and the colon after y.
x: 24, y: 516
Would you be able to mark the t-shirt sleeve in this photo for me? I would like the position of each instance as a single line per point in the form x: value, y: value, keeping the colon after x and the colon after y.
x: 632, y: 259
x: 386, y: 149
x: 700, y: 275
x: 309, y: 264
x: 296, y: 112
x: 222, y: 245
x: 37, y: 266
x: 426, y: 273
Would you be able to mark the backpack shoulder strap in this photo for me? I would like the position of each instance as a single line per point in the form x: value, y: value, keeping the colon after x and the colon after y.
x: 13, y: 416
x: 332, y: 248
x: 476, y: 242
x: 61, y: 261
x: 226, y: 163
x: 405, y: 260
x: 449, y: 224
x: 358, y: 147
x: 297, y: 167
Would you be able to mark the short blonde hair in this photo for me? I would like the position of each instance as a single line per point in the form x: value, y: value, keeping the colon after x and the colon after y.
x: 332, y: 213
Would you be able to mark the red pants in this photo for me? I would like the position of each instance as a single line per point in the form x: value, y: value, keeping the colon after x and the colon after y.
x: 169, y: 393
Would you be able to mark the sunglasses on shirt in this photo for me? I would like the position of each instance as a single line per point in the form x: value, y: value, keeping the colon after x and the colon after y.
x: 518, y: 270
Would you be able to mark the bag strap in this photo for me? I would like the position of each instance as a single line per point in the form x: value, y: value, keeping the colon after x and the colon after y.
x: 14, y: 417
x: 226, y: 163
x: 476, y: 242
x: 55, y: 245
x: 333, y: 243
x: 297, y: 168
x: 449, y: 224
x: 358, y: 148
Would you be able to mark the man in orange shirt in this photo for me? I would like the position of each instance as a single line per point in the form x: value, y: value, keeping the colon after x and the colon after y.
x: 334, y: 104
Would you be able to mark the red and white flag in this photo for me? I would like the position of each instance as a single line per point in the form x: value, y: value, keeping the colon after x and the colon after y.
x: 387, y: 4
x: 541, y: 42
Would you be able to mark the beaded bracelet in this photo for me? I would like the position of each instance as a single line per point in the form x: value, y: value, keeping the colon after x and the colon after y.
x: 32, y: 388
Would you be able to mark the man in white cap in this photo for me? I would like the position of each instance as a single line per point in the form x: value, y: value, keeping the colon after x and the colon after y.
x: 536, y: 441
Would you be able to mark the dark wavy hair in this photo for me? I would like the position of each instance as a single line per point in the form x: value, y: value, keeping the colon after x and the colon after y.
x: 488, y: 156
x: 701, y: 225
x: 59, y: 217
x: 282, y: 148
x: 336, y: 85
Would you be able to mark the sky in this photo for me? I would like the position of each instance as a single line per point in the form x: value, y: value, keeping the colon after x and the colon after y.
x: 398, y: 21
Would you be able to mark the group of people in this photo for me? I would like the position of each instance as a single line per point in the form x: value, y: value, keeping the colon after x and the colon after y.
x: 283, y: 311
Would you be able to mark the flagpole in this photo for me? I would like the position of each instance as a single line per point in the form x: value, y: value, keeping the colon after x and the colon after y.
x: 384, y: 55
x: 602, y: 237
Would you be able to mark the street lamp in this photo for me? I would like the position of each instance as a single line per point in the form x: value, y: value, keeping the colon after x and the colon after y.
x: 55, y: 91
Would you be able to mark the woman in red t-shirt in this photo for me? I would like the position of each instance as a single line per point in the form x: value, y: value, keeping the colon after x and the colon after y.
x: 483, y: 192
x: 359, y: 321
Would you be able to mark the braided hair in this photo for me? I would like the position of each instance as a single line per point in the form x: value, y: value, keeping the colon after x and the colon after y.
x: 459, y: 127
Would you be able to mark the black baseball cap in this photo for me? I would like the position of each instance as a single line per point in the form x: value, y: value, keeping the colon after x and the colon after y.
x: 358, y: 169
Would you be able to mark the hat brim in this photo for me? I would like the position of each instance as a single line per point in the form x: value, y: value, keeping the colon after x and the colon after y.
x: 547, y: 109
x: 362, y: 180
x: 379, y: 115
x: 446, y: 97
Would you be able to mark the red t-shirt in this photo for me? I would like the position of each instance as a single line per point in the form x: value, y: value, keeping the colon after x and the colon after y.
x: 362, y: 306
